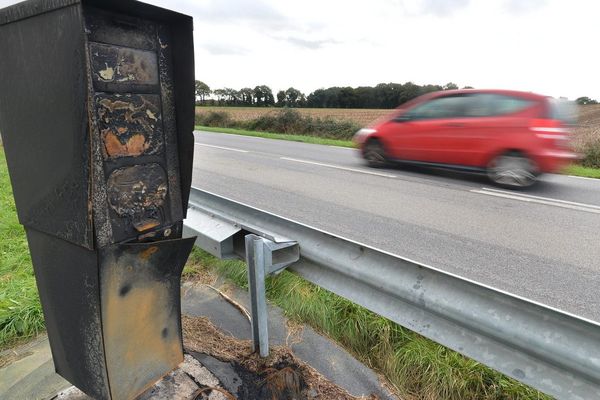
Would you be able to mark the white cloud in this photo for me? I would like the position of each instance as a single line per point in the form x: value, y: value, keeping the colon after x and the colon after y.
x: 442, y: 8
x: 524, y: 6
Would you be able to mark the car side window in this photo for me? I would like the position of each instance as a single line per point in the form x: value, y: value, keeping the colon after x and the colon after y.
x: 441, y: 107
x: 490, y: 104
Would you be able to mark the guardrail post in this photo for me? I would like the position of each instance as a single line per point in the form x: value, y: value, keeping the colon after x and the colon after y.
x: 258, y: 299
x: 260, y: 256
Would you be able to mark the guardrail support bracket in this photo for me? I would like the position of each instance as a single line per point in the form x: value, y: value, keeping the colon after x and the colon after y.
x: 264, y: 257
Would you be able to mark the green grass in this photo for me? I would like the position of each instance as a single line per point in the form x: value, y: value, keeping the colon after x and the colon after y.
x: 281, y: 136
x: 580, y: 170
x: 416, y: 366
x: 20, y: 310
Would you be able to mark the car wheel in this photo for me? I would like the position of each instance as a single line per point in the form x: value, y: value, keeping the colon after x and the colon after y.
x: 513, y: 170
x: 374, y: 154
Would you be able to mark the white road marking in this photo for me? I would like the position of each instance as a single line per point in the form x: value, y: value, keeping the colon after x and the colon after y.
x: 339, y: 167
x: 542, y: 198
x: 342, y: 147
x: 222, y: 148
x: 539, y: 200
x: 584, y: 177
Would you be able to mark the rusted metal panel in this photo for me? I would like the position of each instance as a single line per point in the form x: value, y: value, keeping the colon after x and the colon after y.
x: 141, y: 312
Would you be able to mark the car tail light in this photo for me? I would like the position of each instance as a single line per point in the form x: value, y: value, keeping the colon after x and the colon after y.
x: 552, y: 132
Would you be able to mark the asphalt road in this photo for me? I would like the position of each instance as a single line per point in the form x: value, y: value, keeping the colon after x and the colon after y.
x: 542, y: 243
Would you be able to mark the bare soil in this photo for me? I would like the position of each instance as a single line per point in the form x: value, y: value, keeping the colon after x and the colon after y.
x: 280, y: 376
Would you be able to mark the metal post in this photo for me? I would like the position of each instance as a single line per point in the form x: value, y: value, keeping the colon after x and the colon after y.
x: 265, y: 257
x: 255, y: 257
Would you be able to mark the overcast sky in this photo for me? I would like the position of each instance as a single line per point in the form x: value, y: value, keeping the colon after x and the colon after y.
x: 545, y: 46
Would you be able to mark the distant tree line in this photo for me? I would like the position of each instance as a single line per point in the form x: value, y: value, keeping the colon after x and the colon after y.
x: 384, y: 95
x: 585, y: 101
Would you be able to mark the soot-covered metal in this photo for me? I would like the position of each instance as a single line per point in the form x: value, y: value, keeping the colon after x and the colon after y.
x: 129, y: 124
x: 97, y: 114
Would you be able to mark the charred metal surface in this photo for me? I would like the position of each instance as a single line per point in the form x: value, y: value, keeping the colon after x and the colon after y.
x: 121, y: 29
x: 99, y: 198
x: 118, y: 68
x: 170, y: 124
x: 168, y: 232
x: 138, y: 193
x: 97, y: 113
x: 141, y: 312
x: 134, y: 124
x: 43, y: 120
x: 130, y: 125
x: 21, y: 11
x: 182, y: 63
x: 71, y: 302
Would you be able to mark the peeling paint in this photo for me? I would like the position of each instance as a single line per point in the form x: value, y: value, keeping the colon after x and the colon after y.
x: 107, y: 74
x: 151, y: 115
x: 121, y: 65
x: 116, y: 105
x: 128, y: 124
x: 135, y: 145
x: 146, y: 224
x: 138, y: 193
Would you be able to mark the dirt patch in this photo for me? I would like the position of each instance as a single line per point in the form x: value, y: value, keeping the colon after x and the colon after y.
x: 9, y: 358
x: 295, y: 333
x: 196, y: 273
x: 280, y: 376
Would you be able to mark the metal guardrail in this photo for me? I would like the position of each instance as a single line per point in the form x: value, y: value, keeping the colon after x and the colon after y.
x: 553, y: 351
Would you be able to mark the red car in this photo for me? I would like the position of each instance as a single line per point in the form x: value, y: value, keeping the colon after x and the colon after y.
x: 512, y: 136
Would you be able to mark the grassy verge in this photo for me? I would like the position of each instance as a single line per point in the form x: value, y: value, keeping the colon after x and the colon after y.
x: 281, y: 136
x: 20, y: 310
x: 416, y: 366
x: 579, y: 170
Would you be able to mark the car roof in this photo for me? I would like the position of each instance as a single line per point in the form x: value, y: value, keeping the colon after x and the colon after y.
x: 442, y: 93
x: 516, y: 93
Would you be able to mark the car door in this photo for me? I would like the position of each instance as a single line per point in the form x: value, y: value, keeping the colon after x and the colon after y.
x: 428, y: 130
x: 455, y: 136
x: 487, y: 120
